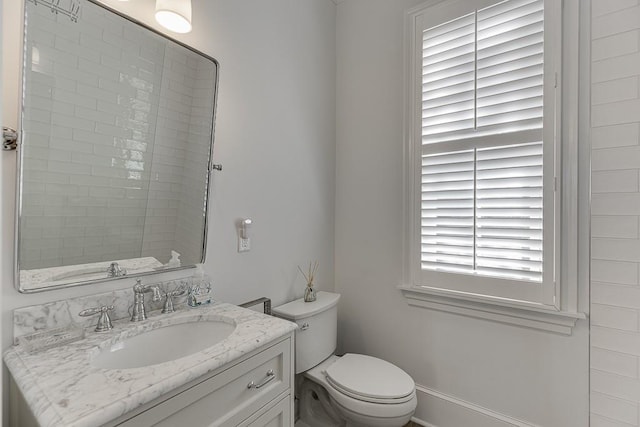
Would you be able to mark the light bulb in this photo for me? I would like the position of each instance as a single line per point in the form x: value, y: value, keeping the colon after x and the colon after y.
x: 174, y: 15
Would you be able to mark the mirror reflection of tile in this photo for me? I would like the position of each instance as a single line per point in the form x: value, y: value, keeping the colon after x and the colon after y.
x: 117, y: 134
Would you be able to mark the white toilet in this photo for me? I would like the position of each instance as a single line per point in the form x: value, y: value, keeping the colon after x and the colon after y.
x: 352, y: 390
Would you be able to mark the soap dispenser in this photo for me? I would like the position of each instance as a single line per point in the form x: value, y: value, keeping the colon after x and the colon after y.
x: 200, y: 289
x: 174, y: 261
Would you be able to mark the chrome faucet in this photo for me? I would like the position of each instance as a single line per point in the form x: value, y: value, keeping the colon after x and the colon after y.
x: 114, y: 270
x: 139, y: 311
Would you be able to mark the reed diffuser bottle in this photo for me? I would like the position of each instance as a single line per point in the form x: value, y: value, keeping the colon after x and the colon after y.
x: 310, y: 292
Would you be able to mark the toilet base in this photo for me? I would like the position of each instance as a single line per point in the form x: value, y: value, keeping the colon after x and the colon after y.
x: 315, y: 407
x: 354, y: 419
x: 318, y: 409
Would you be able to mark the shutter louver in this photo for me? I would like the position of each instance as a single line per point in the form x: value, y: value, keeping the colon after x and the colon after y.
x: 482, y: 206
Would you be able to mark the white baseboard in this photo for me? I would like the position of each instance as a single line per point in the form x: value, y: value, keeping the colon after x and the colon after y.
x: 437, y: 409
x: 421, y: 423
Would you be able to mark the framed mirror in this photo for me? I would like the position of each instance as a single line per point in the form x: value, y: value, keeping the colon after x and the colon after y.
x: 116, y: 148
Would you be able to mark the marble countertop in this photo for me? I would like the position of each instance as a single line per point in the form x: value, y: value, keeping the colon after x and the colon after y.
x: 66, y: 274
x: 62, y: 387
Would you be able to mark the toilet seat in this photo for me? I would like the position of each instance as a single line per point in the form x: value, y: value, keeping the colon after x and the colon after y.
x: 370, y: 379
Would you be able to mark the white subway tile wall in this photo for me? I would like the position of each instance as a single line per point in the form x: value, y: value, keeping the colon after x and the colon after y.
x: 195, y: 181
x: 117, y: 142
x: 615, y: 220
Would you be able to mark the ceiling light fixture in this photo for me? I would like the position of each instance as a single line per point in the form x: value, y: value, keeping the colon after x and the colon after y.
x: 174, y: 15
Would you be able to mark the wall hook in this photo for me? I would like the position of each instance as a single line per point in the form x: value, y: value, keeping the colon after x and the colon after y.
x: 9, y: 139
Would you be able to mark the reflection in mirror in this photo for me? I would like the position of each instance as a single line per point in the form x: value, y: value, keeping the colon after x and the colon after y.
x: 117, y: 133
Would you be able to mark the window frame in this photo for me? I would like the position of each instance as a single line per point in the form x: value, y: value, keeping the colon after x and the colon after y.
x: 561, y: 296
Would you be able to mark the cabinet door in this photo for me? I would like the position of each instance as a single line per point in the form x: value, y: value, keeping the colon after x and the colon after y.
x: 277, y: 416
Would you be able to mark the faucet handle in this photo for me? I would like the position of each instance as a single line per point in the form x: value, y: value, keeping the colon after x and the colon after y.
x: 168, y: 302
x: 114, y: 270
x: 177, y: 292
x: 104, y: 321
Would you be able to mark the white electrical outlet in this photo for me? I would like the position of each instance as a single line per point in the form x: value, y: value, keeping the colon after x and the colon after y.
x: 244, y: 245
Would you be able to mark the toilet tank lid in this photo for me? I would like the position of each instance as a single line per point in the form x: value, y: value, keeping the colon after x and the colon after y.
x: 299, y: 309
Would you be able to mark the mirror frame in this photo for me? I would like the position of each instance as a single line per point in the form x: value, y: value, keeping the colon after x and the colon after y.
x: 20, y: 153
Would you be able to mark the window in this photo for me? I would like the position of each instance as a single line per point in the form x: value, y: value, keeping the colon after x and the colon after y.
x: 483, y: 169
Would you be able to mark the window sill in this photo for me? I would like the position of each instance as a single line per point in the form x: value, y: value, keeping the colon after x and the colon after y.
x: 501, y: 311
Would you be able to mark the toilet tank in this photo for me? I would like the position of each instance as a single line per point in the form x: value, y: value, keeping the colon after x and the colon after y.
x: 317, y: 321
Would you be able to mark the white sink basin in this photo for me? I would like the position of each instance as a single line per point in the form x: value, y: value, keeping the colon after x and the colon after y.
x: 163, y: 344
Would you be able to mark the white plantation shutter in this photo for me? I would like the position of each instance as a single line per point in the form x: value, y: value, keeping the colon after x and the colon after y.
x: 448, y: 80
x: 448, y: 211
x: 510, y: 66
x: 482, y: 183
x: 509, y: 212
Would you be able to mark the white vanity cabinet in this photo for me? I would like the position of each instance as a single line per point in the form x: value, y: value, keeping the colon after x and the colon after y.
x: 245, y: 379
x: 253, y: 391
x: 278, y: 415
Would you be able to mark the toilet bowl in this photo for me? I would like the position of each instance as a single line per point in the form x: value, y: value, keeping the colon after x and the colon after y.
x: 364, y: 390
x: 354, y: 390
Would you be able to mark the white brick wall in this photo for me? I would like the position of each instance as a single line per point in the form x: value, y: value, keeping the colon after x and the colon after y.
x: 615, y: 264
x: 107, y: 141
